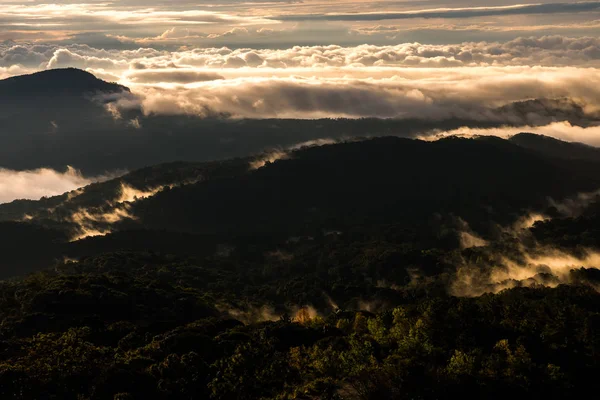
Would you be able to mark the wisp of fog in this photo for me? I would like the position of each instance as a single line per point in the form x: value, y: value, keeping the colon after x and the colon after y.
x: 35, y: 184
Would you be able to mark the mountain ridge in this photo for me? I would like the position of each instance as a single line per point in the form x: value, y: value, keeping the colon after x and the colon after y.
x: 315, y: 182
x: 556, y: 147
x: 60, y: 81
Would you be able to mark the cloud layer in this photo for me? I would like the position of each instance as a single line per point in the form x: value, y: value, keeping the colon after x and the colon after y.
x: 550, y: 51
x: 409, y: 80
x: 558, y: 130
x: 475, y: 93
x: 35, y: 184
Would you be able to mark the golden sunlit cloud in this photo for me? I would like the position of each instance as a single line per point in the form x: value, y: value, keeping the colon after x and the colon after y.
x: 41, y: 182
x: 562, y: 130
x: 474, y: 93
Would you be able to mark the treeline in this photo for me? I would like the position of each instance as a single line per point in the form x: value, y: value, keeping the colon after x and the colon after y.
x: 127, y: 326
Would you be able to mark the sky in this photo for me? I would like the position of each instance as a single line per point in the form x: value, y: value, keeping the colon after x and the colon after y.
x: 315, y: 58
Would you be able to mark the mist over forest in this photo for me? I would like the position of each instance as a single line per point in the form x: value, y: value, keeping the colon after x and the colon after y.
x: 277, y: 200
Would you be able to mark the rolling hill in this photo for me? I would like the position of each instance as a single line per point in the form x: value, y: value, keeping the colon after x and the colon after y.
x: 556, y: 148
x: 355, y: 186
x: 55, y: 83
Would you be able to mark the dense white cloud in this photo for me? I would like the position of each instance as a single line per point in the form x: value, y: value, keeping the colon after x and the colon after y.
x: 409, y: 80
x: 157, y: 50
x: 63, y: 58
x: 546, y: 51
x: 558, y: 130
x: 475, y: 93
x: 6, y: 72
x: 37, y: 183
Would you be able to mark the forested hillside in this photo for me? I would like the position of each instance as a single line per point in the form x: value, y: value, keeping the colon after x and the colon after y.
x: 141, y: 326
x: 375, y: 269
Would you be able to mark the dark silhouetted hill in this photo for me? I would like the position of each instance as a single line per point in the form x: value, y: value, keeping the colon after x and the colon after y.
x: 555, y: 147
x: 56, y: 83
x: 372, y: 182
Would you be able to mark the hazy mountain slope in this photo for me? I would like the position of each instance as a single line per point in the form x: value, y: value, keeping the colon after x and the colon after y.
x: 127, y: 188
x: 56, y: 118
x: 556, y: 148
x: 47, y: 225
x: 559, y: 109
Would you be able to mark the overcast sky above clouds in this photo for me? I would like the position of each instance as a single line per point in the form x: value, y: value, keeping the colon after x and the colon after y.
x: 285, y: 23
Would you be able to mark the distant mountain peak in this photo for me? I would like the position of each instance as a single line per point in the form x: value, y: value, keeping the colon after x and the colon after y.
x: 530, y: 137
x: 555, y: 147
x: 52, y: 82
